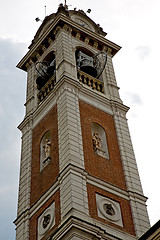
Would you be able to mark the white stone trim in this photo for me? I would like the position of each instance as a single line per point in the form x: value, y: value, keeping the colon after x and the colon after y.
x: 48, y: 194
x: 78, y: 229
x: 41, y: 229
x: 107, y: 187
x: 140, y: 218
x: 73, y: 190
x: 22, y: 227
x: 116, y: 217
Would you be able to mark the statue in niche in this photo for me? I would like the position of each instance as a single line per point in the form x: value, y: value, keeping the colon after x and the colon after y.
x: 47, y: 147
x: 96, y: 141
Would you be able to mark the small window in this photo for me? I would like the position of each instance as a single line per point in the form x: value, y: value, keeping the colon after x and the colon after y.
x: 45, y: 150
x: 99, y: 140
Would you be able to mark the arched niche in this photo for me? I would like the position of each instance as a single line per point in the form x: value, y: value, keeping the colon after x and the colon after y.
x: 89, y: 63
x: 85, y: 61
x: 45, y: 150
x: 99, y: 140
x: 45, y: 69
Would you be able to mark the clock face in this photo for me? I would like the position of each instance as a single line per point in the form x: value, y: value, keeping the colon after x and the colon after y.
x: 82, y: 23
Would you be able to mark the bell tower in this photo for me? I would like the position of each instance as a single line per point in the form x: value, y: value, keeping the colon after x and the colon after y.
x: 78, y: 173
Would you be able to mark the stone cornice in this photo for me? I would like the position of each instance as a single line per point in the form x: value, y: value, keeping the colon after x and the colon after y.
x: 84, y: 93
x: 88, y: 230
x: 31, y: 211
x: 60, y: 20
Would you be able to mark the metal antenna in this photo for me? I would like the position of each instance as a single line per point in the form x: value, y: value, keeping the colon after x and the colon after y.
x: 65, y: 4
x: 45, y: 11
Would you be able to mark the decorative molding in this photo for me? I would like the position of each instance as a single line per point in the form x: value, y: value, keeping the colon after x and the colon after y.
x: 51, y: 191
x: 51, y: 30
x: 81, y: 229
x: 109, y: 210
x: 46, y: 220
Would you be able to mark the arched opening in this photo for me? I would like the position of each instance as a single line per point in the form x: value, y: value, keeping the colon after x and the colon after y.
x: 45, y: 69
x: 85, y: 61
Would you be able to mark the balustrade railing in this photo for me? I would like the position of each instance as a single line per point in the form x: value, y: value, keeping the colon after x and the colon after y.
x: 83, y: 77
x: 90, y: 81
x: 47, y: 88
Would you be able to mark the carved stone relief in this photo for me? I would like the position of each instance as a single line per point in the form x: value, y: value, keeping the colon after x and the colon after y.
x: 47, y: 147
x: 96, y: 141
x: 109, y: 209
x: 46, y: 221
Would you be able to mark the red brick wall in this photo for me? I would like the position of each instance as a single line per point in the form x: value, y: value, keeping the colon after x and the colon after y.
x: 124, y: 204
x: 42, y: 181
x: 109, y: 170
x: 34, y: 219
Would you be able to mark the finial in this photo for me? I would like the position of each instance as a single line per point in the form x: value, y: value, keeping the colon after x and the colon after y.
x: 65, y: 3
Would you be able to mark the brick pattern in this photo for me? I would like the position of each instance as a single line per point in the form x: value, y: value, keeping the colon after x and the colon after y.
x: 108, y: 170
x: 41, y: 181
x: 73, y: 187
x: 124, y: 204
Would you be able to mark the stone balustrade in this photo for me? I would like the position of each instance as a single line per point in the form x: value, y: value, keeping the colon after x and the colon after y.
x: 46, y: 89
x: 90, y: 81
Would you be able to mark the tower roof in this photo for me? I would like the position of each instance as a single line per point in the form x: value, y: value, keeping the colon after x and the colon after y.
x: 78, y: 21
x: 71, y: 14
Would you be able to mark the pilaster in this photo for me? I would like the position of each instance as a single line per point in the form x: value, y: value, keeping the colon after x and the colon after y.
x: 135, y: 192
x: 22, y: 221
x: 111, y: 87
x: 65, y: 56
x: 73, y: 185
x: 31, y: 90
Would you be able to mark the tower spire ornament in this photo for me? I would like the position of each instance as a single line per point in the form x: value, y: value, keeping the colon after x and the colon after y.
x: 65, y: 4
x: 78, y: 176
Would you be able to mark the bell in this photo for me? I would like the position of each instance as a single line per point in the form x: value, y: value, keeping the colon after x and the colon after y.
x: 52, y: 67
x: 85, y: 64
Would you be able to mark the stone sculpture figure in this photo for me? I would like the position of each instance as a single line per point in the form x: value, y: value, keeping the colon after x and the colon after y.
x: 96, y: 141
x: 47, y: 147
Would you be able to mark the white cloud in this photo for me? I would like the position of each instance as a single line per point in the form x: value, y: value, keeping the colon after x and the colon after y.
x: 143, y: 51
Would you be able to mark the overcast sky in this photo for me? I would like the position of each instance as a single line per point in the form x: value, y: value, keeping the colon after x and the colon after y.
x: 132, y: 24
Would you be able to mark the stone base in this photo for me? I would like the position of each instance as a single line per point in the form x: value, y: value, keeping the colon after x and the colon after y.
x: 100, y: 152
x: 46, y: 161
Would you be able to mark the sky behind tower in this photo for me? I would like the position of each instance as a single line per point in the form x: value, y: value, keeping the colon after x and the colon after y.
x: 134, y: 25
